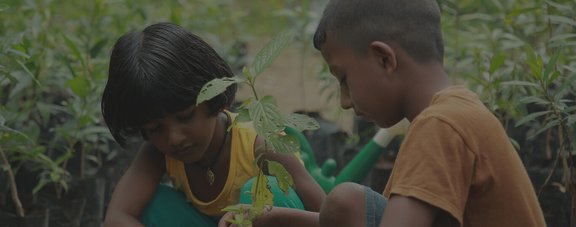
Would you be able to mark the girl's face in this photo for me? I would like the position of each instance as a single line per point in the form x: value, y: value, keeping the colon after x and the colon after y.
x: 185, y: 135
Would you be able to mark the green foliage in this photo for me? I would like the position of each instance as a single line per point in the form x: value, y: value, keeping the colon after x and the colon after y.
x: 53, y: 66
x: 268, y: 123
x: 519, y: 57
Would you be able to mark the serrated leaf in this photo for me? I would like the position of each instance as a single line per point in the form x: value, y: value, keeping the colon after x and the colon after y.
x: 243, y: 116
x: 531, y: 117
x: 270, y: 52
x: 262, y: 196
x: 283, y: 143
x: 215, y: 87
x: 265, y: 116
x: 301, y: 122
x: 284, y: 178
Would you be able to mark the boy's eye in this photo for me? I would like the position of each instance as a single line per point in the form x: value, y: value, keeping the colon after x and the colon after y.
x: 343, y: 81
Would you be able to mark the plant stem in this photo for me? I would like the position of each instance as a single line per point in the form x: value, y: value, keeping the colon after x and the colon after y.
x: 14, y: 190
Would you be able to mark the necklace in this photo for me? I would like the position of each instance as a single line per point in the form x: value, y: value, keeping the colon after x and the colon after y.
x: 210, y: 176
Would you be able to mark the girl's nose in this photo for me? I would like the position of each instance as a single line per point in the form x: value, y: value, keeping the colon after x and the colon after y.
x: 176, y: 137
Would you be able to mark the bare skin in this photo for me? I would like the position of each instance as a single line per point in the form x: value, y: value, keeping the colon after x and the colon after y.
x: 177, y: 135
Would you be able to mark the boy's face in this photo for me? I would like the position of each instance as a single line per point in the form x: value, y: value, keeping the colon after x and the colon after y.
x: 367, y: 85
x: 184, y: 135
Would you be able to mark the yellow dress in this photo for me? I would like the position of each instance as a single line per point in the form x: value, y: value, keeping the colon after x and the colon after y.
x: 241, y: 170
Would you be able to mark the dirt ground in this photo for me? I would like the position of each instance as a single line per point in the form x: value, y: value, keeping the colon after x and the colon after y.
x: 294, y: 81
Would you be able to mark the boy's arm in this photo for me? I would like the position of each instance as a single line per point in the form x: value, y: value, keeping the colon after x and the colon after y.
x: 403, y: 211
x: 135, y: 188
x: 310, y: 193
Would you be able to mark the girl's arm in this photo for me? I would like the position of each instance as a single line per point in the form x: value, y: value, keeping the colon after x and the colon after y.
x: 305, y: 186
x: 136, y: 188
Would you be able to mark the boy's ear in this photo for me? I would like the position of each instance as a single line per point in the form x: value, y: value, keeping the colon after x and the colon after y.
x: 386, y: 55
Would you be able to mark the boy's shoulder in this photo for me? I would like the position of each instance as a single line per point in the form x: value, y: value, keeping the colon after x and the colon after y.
x: 459, y: 107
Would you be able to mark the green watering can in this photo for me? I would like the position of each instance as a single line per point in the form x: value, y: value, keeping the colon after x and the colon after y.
x: 357, y: 169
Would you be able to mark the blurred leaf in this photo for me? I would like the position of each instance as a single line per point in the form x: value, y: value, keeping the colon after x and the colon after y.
x: 562, y: 20
x: 97, y: 48
x: 550, y: 66
x: 531, y: 117
x: 534, y: 99
x: 75, y: 50
x: 496, y: 62
x: 548, y: 125
x: 520, y: 83
x: 79, y: 86
x: 270, y: 52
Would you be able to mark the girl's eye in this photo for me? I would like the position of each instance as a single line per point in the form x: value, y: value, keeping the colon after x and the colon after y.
x: 153, y: 130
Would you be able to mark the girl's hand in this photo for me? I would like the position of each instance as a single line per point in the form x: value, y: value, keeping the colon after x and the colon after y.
x: 224, y: 221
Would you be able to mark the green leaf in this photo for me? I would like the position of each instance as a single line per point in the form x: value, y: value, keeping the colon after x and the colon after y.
x: 534, y: 99
x: 270, y: 52
x: 262, y: 196
x: 301, y: 122
x: 496, y: 62
x: 216, y: 87
x: 75, y: 50
x: 265, y: 116
x: 548, y: 125
x: 562, y: 20
x: 520, y: 83
x: 550, y: 66
x: 284, y: 179
x: 531, y: 117
x: 243, y: 116
x: 283, y: 143
x: 79, y: 86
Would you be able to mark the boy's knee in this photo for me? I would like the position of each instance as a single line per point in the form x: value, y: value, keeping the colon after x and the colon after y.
x: 343, y: 205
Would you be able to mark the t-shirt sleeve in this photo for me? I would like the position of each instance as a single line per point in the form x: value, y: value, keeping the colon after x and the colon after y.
x: 434, y: 165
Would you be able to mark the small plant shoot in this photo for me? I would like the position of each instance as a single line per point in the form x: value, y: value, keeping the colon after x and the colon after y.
x: 269, y: 124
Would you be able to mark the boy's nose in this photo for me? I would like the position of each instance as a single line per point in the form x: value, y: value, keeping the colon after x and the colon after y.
x: 345, y: 101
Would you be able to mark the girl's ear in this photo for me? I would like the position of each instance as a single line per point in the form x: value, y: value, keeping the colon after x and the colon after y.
x: 385, y: 54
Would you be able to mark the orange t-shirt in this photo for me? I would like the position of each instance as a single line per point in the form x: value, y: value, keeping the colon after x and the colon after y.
x: 458, y: 158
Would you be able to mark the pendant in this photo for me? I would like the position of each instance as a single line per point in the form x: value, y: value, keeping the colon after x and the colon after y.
x: 210, y: 176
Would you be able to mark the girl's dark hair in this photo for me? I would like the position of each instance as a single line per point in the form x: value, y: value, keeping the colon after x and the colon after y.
x: 159, y: 71
x: 414, y: 25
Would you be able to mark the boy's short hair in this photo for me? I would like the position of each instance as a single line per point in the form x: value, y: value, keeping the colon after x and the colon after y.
x: 159, y: 71
x: 414, y: 25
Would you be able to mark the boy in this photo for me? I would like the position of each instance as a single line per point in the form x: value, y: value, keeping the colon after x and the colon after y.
x: 456, y: 166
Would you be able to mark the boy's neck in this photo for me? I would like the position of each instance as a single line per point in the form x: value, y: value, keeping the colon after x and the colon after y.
x: 425, y: 81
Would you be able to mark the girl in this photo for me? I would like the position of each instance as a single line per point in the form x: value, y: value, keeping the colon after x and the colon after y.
x: 154, y: 78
